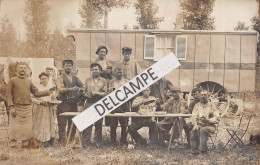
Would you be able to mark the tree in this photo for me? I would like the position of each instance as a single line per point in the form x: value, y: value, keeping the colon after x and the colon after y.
x: 241, y: 26
x: 90, y: 15
x: 256, y: 26
x: 62, y: 47
x: 36, y: 19
x: 196, y: 14
x: 92, y: 11
x: 9, y: 45
x: 146, y: 12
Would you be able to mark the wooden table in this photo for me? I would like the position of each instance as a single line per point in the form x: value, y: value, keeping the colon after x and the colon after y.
x: 132, y: 114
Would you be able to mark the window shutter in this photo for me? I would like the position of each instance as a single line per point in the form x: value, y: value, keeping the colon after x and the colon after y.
x: 149, y: 47
x: 181, y: 47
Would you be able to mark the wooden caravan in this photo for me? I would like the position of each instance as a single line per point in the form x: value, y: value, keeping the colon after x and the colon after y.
x: 225, y: 59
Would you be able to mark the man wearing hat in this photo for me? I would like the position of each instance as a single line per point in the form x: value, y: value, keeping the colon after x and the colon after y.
x: 204, y: 117
x: 95, y: 88
x: 174, y: 105
x: 101, y: 60
x: 130, y: 67
x: 68, y: 87
x: 159, y: 90
x: 107, y: 72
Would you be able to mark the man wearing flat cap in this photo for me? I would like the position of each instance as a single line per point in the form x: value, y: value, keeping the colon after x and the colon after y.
x: 95, y: 88
x: 68, y: 87
x: 130, y: 67
x: 174, y: 105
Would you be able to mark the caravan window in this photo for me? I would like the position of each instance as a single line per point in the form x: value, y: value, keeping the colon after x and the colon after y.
x: 158, y: 46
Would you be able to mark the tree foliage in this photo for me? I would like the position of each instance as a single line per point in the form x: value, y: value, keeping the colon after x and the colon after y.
x: 241, y: 26
x: 196, y: 14
x: 9, y: 45
x: 36, y: 19
x: 92, y: 11
x: 90, y: 15
x: 61, y: 47
x: 256, y: 26
x: 146, y: 12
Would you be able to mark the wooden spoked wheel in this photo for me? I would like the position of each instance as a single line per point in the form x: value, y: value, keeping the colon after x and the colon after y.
x: 217, y: 95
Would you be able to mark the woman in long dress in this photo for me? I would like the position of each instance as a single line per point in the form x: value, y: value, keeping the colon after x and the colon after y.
x: 43, y: 115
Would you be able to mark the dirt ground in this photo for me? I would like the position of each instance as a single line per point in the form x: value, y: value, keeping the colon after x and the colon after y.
x: 139, y: 155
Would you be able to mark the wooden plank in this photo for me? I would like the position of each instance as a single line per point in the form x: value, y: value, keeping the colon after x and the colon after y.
x: 217, y: 49
x: 97, y: 39
x: 232, y: 54
x: 83, y: 46
x: 202, y: 48
x: 173, y: 76
x: 186, y: 79
x: 140, y: 46
x: 113, y: 46
x: 83, y: 74
x: 200, y: 75
x: 144, y: 64
x: 231, y: 80
x: 216, y: 75
x: 248, y: 49
x: 247, y: 80
x: 190, y: 48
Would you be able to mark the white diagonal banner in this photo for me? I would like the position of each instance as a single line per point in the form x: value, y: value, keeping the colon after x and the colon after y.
x: 130, y: 89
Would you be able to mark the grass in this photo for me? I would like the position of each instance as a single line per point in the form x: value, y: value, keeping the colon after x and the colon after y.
x: 59, y: 155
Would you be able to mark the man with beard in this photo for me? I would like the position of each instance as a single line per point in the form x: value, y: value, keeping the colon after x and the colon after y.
x: 187, y: 125
x: 19, y: 101
x: 145, y: 104
x: 204, y: 118
x: 95, y: 88
x: 68, y: 87
x: 113, y: 121
x: 174, y: 105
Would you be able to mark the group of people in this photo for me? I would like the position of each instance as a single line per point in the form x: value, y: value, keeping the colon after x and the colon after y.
x: 32, y: 117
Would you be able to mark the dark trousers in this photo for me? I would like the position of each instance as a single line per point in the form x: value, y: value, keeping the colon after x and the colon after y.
x: 86, y: 134
x: 199, y: 137
x: 137, y: 124
x: 113, y: 122
x: 62, y: 121
x: 165, y: 127
x: 187, y: 129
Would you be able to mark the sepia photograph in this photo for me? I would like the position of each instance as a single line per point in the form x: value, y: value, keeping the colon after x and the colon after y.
x: 111, y: 82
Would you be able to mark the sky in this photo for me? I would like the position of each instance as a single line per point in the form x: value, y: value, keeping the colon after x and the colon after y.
x: 63, y: 12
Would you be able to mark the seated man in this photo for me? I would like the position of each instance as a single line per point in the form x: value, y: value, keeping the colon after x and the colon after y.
x: 204, y: 118
x: 174, y: 105
x: 146, y: 105
x: 187, y: 125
